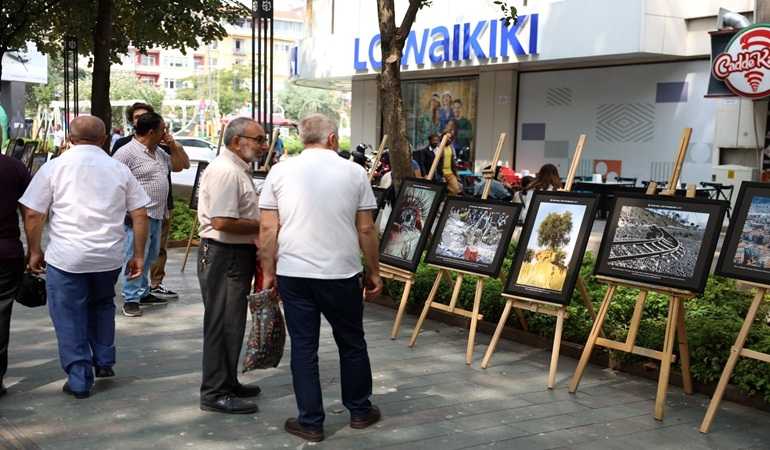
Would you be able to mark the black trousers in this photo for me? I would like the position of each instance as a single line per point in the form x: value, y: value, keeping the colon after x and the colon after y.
x: 225, y: 273
x: 11, y: 272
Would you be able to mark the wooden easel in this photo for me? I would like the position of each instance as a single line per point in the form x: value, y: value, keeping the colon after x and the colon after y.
x: 539, y: 306
x: 195, y: 217
x: 675, y: 324
x: 377, y: 157
x: 270, y: 152
x: 736, y: 351
x: 444, y: 272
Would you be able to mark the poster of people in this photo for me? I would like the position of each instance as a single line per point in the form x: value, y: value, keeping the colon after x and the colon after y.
x: 472, y: 235
x: 661, y: 241
x: 410, y: 222
x: 550, y: 251
x: 435, y: 106
x: 745, y: 253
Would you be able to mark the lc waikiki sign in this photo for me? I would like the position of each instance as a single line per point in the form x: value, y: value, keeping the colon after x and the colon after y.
x: 745, y: 64
x: 482, y: 40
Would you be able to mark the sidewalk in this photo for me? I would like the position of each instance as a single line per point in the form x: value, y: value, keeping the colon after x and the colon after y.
x: 429, y: 397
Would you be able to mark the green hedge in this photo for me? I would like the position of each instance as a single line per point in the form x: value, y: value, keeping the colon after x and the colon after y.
x: 713, y: 320
x: 182, y: 220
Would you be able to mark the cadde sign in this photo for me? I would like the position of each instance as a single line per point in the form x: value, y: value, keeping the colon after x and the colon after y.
x: 745, y: 64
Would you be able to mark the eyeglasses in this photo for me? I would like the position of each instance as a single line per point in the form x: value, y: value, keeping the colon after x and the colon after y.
x: 258, y: 139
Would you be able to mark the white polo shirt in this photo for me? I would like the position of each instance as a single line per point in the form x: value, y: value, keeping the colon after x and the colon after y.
x: 317, y: 195
x: 88, y: 193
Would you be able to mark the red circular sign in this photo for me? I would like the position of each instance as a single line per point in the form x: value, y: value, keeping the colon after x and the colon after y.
x: 745, y: 64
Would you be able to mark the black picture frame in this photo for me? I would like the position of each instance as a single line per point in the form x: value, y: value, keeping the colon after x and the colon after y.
x: 36, y: 162
x: 744, y: 249
x: 549, y: 279
x: 379, y: 197
x: 197, y: 185
x: 410, y: 223
x: 10, y: 147
x: 26, y: 154
x: 472, y: 235
x: 661, y: 241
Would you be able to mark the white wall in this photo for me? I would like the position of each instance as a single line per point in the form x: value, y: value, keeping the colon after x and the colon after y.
x: 616, y: 108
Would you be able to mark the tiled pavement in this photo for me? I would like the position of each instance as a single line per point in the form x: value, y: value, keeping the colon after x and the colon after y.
x: 429, y: 397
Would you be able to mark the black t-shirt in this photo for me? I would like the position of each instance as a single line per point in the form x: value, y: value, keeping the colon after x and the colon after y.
x: 125, y: 140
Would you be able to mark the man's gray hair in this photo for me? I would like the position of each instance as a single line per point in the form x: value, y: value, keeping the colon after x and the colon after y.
x: 316, y: 128
x: 236, y: 127
x: 87, y: 129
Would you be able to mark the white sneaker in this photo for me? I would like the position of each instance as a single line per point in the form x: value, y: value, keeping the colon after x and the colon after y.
x: 161, y: 291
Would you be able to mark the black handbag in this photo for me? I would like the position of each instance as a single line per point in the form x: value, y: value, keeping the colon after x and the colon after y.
x: 31, y: 292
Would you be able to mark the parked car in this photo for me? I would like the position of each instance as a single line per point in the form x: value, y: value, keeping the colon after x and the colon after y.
x: 197, y: 150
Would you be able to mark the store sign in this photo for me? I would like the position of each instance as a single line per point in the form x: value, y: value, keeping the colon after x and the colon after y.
x: 745, y: 64
x: 486, y: 39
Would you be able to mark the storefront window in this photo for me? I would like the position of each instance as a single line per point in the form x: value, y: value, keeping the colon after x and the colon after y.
x: 435, y: 106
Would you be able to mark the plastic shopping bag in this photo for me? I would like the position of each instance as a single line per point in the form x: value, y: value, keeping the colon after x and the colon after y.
x: 268, y: 333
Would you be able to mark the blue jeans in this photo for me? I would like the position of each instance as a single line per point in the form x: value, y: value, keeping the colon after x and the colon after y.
x: 140, y: 287
x: 341, y: 303
x: 82, y: 308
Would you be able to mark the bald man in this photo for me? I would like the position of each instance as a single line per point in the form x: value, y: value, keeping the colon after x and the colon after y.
x: 88, y: 194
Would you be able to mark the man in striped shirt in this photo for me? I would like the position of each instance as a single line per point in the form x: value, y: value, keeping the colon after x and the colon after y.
x: 150, y: 165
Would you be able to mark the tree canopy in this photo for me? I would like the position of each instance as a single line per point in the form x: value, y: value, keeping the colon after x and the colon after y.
x: 554, y: 231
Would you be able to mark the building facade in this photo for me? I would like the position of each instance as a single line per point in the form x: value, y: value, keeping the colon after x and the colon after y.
x: 631, y: 75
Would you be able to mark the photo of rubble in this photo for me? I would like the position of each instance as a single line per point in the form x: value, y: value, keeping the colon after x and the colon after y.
x: 668, y: 242
x: 745, y: 253
x: 473, y: 235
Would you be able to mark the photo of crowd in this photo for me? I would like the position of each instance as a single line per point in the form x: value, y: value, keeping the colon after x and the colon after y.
x: 473, y: 235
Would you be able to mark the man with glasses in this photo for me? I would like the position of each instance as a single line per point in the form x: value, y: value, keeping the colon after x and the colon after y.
x: 229, y: 221
x: 151, y: 166
x: 158, y: 270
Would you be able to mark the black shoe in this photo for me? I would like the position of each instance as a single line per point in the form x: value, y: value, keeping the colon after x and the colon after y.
x: 131, y: 309
x: 161, y: 291
x: 369, y: 419
x: 3, y: 390
x: 292, y: 426
x: 77, y: 394
x: 246, y: 390
x: 104, y: 373
x: 151, y: 300
x: 230, y: 404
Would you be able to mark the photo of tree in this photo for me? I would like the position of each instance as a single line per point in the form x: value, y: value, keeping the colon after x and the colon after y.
x: 553, y: 240
x: 410, y: 222
x: 549, y: 249
x: 745, y: 253
x: 664, y: 241
x: 473, y: 234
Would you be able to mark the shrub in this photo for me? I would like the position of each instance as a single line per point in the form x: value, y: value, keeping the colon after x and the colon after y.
x: 182, y: 221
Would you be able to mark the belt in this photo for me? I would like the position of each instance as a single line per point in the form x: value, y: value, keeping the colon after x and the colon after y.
x: 209, y: 241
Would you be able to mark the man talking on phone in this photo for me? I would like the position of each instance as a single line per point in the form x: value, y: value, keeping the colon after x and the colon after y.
x: 323, y: 229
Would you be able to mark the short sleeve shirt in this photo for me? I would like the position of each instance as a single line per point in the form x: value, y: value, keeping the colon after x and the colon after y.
x: 318, y: 238
x: 227, y: 190
x: 152, y: 171
x: 88, y: 194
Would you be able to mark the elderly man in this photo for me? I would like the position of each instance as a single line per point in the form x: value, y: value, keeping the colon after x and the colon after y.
x: 150, y: 165
x: 88, y: 194
x: 228, y: 213
x: 323, y: 228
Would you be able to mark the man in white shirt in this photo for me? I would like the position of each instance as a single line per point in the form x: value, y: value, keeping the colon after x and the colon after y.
x: 88, y: 194
x: 323, y: 228
x: 58, y: 139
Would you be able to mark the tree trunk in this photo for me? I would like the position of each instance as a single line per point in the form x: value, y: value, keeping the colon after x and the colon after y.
x: 392, y: 41
x: 100, y: 89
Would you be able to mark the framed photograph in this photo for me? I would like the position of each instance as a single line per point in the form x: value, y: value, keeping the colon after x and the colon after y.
x: 662, y: 241
x: 551, y: 247
x: 472, y: 235
x: 9, y: 148
x: 379, y: 195
x: 410, y: 223
x: 197, y: 185
x: 38, y: 159
x: 29, y: 150
x: 258, y: 178
x: 745, y: 253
